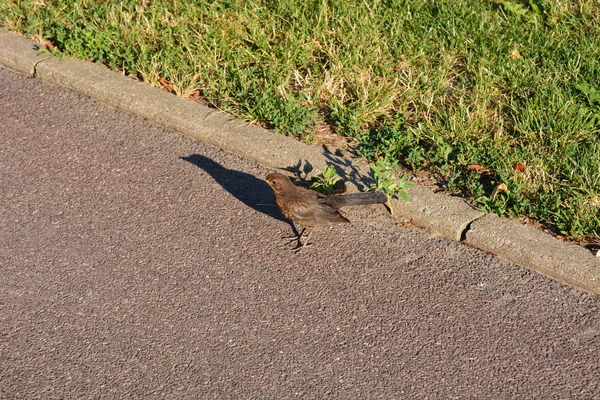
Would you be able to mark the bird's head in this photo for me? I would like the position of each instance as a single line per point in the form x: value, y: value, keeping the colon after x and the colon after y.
x: 278, y: 182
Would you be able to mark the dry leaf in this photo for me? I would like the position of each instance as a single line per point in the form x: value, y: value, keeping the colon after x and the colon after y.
x: 45, y: 43
x: 477, y: 168
x: 520, y: 167
x: 166, y: 85
x: 499, y: 187
x: 514, y: 54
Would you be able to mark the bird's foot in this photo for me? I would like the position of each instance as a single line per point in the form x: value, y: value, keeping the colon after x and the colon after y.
x: 294, y: 238
x: 301, y: 246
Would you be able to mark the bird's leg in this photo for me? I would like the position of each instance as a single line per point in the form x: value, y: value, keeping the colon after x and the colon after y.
x: 306, y: 242
x: 297, y: 236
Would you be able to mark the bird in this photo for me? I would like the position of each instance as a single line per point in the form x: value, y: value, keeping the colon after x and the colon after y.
x: 311, y: 209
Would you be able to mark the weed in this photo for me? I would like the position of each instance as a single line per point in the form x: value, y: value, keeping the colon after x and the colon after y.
x: 326, y: 181
x: 384, y: 172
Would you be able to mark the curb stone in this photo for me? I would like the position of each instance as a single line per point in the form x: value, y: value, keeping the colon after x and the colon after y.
x: 446, y: 215
x: 565, y: 262
x: 200, y: 122
x: 19, y: 53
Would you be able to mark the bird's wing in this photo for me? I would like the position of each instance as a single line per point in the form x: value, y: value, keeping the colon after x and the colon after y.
x: 312, y: 212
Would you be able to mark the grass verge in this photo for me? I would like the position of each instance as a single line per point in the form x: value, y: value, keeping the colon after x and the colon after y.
x: 500, y: 99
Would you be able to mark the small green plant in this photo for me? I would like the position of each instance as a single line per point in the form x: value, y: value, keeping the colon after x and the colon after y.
x: 325, y: 181
x: 592, y: 94
x: 528, y: 11
x: 384, y: 172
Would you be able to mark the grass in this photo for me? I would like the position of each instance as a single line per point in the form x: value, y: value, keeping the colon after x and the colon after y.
x: 482, y: 93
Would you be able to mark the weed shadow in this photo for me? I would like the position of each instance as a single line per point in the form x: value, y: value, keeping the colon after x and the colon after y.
x: 347, y: 170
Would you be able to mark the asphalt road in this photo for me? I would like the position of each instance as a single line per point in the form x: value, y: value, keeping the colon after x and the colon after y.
x: 136, y: 263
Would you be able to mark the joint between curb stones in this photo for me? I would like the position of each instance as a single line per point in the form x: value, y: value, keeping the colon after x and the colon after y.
x: 463, y: 234
x: 33, y: 70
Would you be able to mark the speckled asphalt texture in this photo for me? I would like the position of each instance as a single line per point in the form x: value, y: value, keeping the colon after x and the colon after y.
x: 135, y: 263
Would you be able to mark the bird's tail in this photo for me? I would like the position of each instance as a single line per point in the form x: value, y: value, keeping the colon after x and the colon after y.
x: 356, y: 199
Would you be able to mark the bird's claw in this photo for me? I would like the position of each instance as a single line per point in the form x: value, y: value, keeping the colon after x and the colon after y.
x: 295, y: 237
x: 301, y: 246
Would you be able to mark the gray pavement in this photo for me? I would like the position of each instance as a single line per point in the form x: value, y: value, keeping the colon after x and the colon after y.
x: 136, y: 263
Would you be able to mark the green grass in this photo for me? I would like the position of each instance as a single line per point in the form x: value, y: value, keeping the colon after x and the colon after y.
x: 438, y: 85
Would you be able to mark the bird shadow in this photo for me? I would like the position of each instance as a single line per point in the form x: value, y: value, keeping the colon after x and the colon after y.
x: 250, y: 190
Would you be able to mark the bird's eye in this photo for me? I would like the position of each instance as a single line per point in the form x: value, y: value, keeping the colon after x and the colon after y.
x: 273, y: 182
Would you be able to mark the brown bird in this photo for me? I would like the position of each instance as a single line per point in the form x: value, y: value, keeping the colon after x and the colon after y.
x: 311, y: 209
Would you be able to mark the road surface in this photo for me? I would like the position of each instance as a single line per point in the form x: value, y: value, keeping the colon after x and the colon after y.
x: 136, y: 263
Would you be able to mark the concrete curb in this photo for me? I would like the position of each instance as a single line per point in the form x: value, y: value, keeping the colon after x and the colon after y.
x: 447, y: 216
x: 536, y: 250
